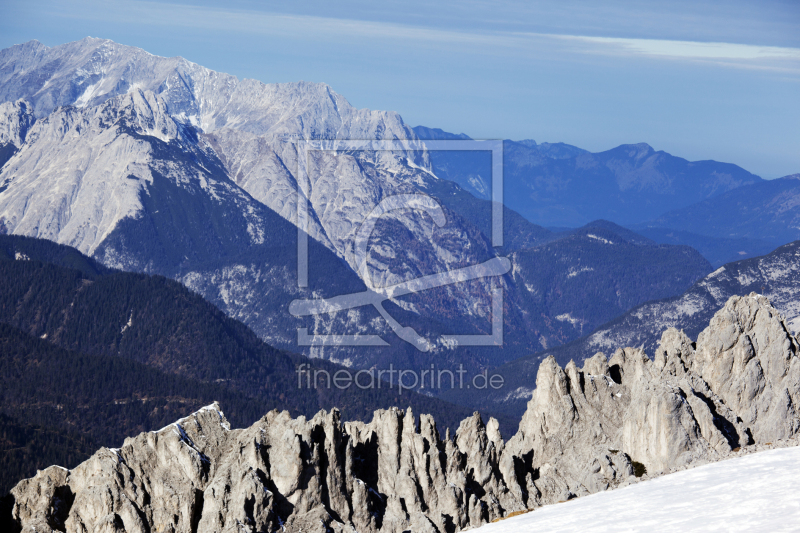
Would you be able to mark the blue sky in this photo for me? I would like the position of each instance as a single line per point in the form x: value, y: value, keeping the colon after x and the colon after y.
x: 701, y: 80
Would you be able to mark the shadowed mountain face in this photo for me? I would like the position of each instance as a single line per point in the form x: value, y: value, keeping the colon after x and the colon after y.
x: 90, y: 355
x: 597, y: 272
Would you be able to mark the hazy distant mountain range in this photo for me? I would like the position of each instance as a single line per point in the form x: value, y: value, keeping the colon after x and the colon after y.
x: 719, y: 209
x: 766, y: 210
x: 563, y: 185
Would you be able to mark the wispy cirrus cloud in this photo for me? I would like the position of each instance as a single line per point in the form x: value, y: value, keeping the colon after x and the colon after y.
x: 327, y: 28
x: 686, y: 49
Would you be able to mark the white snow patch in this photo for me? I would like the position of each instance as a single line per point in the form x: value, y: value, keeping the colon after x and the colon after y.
x: 744, y: 279
x: 717, y: 272
x: 601, y: 239
x: 128, y: 325
x: 19, y: 256
x: 573, y: 272
x: 211, y: 407
x: 754, y: 493
x: 88, y: 94
x: 520, y: 393
x: 566, y: 317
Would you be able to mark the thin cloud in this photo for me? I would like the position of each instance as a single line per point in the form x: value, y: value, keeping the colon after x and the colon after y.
x: 687, y: 49
x: 498, y: 42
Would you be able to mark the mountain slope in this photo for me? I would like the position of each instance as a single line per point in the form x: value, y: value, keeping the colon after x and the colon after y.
x: 194, y: 145
x: 173, y: 211
x: 692, y: 501
x: 138, y: 190
x: 596, y: 273
x: 57, y: 406
x: 768, y: 211
x: 158, y: 165
x: 159, y: 323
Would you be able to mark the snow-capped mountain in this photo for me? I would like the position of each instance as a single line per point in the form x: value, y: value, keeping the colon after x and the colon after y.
x: 127, y: 183
x: 91, y: 71
x: 163, y: 166
x: 251, y: 126
x: 96, y: 173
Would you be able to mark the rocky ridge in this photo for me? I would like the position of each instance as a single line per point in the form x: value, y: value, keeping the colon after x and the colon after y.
x: 586, y: 430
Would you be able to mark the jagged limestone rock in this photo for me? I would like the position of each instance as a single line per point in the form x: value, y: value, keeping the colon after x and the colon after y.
x: 586, y: 430
x: 748, y: 356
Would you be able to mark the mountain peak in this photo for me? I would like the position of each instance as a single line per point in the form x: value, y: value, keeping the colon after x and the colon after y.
x: 90, y: 71
x: 436, y: 134
x: 636, y: 151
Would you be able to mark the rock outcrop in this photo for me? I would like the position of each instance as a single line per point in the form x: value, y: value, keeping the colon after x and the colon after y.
x: 586, y: 430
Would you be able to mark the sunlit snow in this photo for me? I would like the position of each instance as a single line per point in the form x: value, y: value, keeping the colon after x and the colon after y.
x: 755, y: 493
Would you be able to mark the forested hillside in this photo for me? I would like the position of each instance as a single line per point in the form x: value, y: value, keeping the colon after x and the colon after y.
x: 89, y: 355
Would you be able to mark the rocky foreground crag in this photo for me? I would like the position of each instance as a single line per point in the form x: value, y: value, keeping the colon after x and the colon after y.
x: 585, y: 430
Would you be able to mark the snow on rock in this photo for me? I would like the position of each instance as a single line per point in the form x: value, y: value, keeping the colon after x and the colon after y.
x: 93, y: 174
x: 597, y: 238
x: 776, y: 276
x: 16, y: 118
x: 252, y: 127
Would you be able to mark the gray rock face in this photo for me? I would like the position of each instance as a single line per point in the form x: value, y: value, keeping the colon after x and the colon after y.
x: 749, y: 357
x: 586, y: 430
x: 16, y: 118
x: 315, y: 475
